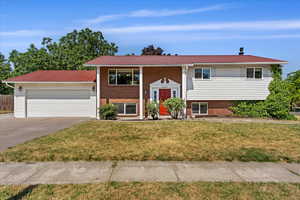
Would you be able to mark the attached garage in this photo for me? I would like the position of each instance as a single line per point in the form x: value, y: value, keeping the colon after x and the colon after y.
x: 55, y: 94
x: 59, y: 103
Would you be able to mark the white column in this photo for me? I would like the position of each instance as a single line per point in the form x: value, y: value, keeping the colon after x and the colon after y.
x: 184, y: 83
x: 141, y: 93
x: 98, y: 92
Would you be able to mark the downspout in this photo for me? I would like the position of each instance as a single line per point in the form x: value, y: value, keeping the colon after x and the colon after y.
x: 9, y: 85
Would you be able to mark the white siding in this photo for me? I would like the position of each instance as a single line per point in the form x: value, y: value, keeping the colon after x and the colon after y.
x: 55, y: 100
x: 228, y: 83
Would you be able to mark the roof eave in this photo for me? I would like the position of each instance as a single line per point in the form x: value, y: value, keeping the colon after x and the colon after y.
x: 190, y: 64
x: 63, y: 82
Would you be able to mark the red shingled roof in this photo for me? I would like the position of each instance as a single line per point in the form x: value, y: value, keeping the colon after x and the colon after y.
x: 178, y: 60
x: 56, y: 76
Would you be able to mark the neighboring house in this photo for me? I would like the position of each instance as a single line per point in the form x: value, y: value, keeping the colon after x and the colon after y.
x: 209, y: 84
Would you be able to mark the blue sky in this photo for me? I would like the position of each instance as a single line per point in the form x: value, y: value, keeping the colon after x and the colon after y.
x: 269, y: 28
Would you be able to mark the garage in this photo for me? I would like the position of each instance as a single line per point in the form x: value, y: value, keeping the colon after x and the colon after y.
x: 55, y: 93
x: 59, y: 103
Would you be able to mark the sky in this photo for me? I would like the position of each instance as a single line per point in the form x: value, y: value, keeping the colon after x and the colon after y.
x: 269, y: 28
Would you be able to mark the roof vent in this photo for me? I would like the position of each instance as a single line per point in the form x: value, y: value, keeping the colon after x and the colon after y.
x: 241, y: 51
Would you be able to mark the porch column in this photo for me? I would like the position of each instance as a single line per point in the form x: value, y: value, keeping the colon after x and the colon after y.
x: 184, y: 83
x: 98, y: 92
x: 141, y: 93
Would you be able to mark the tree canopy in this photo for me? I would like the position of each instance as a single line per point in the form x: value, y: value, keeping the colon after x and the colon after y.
x: 151, y: 51
x: 70, y: 52
x: 5, y: 72
x: 294, y: 80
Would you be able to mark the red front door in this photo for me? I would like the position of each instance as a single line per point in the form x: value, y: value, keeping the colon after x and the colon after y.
x: 163, y: 95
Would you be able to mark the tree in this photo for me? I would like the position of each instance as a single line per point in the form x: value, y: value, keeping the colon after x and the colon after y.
x: 5, y: 72
x: 151, y: 51
x: 69, y: 53
x: 294, y: 80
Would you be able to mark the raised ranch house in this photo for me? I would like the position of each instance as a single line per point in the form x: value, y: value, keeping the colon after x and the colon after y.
x: 209, y: 84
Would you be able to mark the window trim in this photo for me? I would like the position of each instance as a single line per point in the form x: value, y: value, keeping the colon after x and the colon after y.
x: 199, y: 113
x: 116, y: 69
x: 124, y: 107
x: 202, y: 79
x: 254, y: 68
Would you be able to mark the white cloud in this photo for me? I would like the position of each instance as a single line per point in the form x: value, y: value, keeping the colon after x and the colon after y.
x: 154, y: 13
x: 26, y: 33
x: 246, y: 25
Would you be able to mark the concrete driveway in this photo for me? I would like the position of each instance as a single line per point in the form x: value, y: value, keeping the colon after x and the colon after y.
x: 16, y: 131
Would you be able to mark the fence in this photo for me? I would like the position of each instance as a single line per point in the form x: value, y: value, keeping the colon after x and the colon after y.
x: 7, y: 102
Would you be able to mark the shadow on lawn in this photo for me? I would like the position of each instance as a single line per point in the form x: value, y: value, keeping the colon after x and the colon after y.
x: 23, y: 193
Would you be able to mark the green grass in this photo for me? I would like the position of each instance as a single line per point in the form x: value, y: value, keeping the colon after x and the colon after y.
x: 172, y: 191
x: 164, y: 140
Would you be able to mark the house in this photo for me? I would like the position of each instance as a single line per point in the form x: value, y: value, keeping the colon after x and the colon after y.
x: 209, y: 84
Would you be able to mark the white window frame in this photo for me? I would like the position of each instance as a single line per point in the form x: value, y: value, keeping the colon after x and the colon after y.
x: 124, y: 104
x: 202, y: 79
x: 116, y: 84
x: 254, y: 68
x: 199, y: 113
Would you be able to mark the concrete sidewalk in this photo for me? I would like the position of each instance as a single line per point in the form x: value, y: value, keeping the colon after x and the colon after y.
x: 146, y: 171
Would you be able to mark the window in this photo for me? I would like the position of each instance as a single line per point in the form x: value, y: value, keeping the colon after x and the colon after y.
x: 123, y: 77
x: 155, y: 95
x: 202, y: 73
x: 126, y: 108
x: 200, y: 108
x: 174, y: 94
x: 254, y: 72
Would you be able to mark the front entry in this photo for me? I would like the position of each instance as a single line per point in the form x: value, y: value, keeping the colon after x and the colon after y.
x: 163, y: 95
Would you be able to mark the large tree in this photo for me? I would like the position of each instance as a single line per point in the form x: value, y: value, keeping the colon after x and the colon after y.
x: 151, y: 50
x: 294, y: 79
x: 68, y: 53
x: 5, y: 72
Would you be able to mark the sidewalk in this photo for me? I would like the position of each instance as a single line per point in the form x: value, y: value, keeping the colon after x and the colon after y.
x: 146, y: 171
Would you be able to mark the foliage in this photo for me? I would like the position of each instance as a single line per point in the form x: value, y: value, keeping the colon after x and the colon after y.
x: 175, y: 106
x: 250, y: 109
x: 151, y: 50
x: 294, y: 80
x: 276, y: 71
x: 69, y: 53
x: 5, y: 72
x: 153, y: 110
x: 277, y: 104
x: 108, y: 112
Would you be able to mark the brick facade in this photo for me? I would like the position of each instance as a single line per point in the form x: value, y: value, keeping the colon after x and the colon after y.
x: 215, y: 108
x: 130, y: 94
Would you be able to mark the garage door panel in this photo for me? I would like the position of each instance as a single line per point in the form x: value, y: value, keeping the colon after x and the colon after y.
x: 60, y: 103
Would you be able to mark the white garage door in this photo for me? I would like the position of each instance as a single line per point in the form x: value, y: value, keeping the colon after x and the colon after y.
x: 60, y: 103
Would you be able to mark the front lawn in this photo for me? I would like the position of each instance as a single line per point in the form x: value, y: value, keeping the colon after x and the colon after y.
x: 174, y: 191
x: 163, y: 140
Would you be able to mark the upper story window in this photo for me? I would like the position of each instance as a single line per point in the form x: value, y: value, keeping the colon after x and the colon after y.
x: 123, y: 77
x: 202, y: 73
x: 254, y: 73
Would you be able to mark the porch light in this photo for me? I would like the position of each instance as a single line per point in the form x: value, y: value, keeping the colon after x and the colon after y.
x: 93, y: 88
x: 20, y: 88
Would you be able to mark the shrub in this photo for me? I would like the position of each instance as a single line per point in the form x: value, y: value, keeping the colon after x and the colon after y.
x: 277, y: 104
x: 108, y: 112
x: 153, y: 110
x: 175, y: 106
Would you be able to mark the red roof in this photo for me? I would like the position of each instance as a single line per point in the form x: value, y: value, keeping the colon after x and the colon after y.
x: 56, y: 76
x: 179, y: 60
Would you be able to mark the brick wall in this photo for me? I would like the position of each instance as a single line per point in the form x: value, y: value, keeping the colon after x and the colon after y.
x: 220, y: 108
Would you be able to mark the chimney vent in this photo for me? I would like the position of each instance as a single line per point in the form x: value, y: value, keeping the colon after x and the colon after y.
x: 241, y: 51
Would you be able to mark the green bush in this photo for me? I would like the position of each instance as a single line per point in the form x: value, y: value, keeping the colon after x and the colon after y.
x: 277, y: 104
x: 108, y: 112
x: 175, y: 106
x: 153, y: 110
